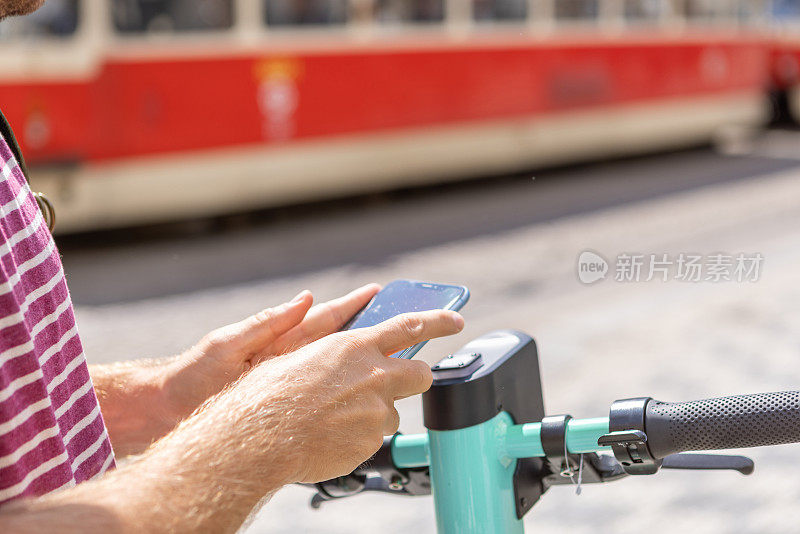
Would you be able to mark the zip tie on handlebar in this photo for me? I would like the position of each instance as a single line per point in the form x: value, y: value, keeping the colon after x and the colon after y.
x: 568, y: 471
x: 553, y: 435
x: 580, y: 477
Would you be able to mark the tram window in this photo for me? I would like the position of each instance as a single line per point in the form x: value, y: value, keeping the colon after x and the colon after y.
x: 643, y: 10
x: 701, y: 10
x: 146, y: 16
x: 576, y: 9
x: 56, y: 18
x: 785, y: 10
x: 412, y: 11
x: 305, y: 12
x: 499, y: 10
x: 746, y: 12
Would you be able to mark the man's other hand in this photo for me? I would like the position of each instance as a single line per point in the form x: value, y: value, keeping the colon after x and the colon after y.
x: 226, y: 353
x: 327, y: 406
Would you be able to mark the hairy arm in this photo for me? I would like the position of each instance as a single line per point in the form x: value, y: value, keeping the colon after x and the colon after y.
x: 306, y: 416
x: 205, y: 476
x: 133, y: 403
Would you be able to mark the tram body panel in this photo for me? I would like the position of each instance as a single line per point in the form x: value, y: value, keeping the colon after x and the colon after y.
x: 168, y: 187
x: 138, y: 108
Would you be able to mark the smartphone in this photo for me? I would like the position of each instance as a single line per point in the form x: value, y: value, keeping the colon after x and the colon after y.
x: 402, y: 296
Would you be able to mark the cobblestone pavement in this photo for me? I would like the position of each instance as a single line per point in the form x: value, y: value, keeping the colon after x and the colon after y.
x: 670, y: 340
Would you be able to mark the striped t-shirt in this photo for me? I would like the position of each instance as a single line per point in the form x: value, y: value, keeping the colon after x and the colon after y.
x: 52, y: 435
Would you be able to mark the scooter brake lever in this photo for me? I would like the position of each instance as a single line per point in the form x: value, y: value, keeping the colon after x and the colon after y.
x: 742, y: 464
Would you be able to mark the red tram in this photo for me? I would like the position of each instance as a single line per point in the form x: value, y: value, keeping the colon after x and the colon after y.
x: 134, y: 111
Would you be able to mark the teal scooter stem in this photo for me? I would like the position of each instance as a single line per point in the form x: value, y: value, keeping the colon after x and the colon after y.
x: 472, y: 469
x: 478, y: 395
x: 484, y: 488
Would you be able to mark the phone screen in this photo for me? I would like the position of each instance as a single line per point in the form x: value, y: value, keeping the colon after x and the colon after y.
x: 403, y: 296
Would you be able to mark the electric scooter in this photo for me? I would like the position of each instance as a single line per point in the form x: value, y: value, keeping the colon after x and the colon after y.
x: 490, y: 453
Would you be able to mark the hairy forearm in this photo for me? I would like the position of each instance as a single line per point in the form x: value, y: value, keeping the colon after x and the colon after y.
x: 206, y: 476
x: 131, y: 396
x: 310, y: 415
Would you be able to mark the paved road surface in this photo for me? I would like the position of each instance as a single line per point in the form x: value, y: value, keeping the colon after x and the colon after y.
x: 515, y: 242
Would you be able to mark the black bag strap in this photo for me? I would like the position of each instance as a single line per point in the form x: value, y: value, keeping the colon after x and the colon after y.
x: 44, y: 203
x: 11, y: 140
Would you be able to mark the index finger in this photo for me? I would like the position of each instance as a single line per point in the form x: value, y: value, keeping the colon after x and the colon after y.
x: 408, y: 329
x: 328, y: 317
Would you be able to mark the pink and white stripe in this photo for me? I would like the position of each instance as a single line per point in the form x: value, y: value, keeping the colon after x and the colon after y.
x: 52, y: 433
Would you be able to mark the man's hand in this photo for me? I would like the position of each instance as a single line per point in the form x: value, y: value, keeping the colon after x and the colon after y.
x: 334, y: 399
x: 225, y: 354
x: 142, y: 401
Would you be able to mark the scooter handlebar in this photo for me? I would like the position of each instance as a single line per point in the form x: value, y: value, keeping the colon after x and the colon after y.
x: 722, y: 423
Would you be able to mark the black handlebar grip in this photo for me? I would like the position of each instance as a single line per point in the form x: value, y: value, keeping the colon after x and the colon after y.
x: 722, y: 423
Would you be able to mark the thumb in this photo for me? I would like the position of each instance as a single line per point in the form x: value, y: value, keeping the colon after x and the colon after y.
x: 261, y: 329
